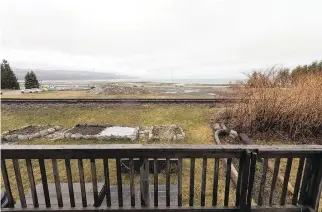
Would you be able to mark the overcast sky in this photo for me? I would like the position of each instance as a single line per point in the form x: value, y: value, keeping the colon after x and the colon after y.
x: 149, y: 39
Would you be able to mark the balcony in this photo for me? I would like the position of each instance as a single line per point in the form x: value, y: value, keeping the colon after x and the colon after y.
x: 169, y: 177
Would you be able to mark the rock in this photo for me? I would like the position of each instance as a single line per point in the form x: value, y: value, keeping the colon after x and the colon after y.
x: 57, y: 127
x: 233, y: 134
x: 87, y: 136
x: 36, y: 135
x: 56, y: 135
x: 180, y: 137
x: 223, y: 126
x: 51, y: 130
x: 7, y: 137
x: 32, y: 136
x: 43, y: 133
x: 150, y: 135
x: 216, y: 126
x: 67, y: 135
x: 14, y: 137
x: 76, y: 136
x: 23, y: 137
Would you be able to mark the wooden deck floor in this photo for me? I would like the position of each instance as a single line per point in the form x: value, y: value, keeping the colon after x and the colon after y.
x: 90, y: 197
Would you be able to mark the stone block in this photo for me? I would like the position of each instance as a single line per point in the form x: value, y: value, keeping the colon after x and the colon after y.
x: 51, y: 130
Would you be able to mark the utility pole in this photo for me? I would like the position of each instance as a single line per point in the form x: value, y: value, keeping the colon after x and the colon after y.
x: 172, y: 76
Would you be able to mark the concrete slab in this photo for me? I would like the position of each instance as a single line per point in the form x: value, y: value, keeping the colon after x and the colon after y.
x: 120, y: 132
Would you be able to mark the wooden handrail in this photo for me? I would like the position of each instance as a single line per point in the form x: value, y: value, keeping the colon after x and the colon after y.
x: 151, y: 151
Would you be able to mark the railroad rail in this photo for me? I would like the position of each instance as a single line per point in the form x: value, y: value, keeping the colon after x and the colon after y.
x: 116, y: 100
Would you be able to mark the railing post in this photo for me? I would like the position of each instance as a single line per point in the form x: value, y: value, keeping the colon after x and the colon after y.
x: 316, y: 184
x: 144, y: 183
x: 244, y: 180
x: 312, y: 183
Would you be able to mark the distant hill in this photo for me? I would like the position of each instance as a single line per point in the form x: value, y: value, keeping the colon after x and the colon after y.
x: 68, y: 75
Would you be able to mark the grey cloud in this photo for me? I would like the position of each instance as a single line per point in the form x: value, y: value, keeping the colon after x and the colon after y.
x: 147, y: 38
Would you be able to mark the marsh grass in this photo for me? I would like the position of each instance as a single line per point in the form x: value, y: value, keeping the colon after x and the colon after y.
x: 293, y: 109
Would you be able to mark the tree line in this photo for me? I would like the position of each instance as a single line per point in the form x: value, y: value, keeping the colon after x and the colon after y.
x: 10, y: 81
x: 282, y: 77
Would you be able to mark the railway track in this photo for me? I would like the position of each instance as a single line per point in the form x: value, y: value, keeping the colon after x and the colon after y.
x: 123, y: 101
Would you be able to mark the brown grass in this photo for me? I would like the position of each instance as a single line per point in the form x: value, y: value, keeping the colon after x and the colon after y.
x: 294, y: 109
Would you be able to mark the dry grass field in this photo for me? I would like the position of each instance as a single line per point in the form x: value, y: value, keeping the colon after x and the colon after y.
x: 85, y: 94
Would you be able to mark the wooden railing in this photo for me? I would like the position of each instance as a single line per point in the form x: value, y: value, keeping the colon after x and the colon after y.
x: 257, y: 188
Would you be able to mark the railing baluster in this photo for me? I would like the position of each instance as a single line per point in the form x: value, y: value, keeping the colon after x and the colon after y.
x: 82, y: 182
x: 192, y: 181
x: 44, y: 181
x: 262, y: 183
x: 274, y: 179
x: 119, y: 182
x: 239, y: 180
x: 107, y: 183
x: 6, y: 181
x: 252, y: 172
x: 70, y: 183
x: 132, y: 186
x: 305, y: 182
x: 286, y: 179
x: 156, y: 185
x: 19, y: 183
x: 57, y: 183
x: 168, y: 182
x: 144, y: 183
x: 244, y: 184
x: 203, y: 182
x: 179, y: 181
x: 215, y: 184
x: 298, y: 181
x: 227, y: 185
x: 94, y: 180
x: 32, y: 183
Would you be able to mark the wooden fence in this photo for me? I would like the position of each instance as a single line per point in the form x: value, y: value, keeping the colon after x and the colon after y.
x: 305, y: 197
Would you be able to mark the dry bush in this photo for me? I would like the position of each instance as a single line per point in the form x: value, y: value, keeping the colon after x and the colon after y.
x: 295, y: 108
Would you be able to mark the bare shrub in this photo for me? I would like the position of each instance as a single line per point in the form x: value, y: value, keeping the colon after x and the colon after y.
x: 292, y: 107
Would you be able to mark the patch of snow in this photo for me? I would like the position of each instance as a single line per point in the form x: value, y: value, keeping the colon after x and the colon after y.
x: 120, y: 132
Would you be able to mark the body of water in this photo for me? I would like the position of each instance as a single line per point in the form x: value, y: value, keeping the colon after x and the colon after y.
x: 175, y: 81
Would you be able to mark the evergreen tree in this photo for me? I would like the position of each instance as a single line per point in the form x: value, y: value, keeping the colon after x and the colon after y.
x: 8, y: 77
x: 31, y: 80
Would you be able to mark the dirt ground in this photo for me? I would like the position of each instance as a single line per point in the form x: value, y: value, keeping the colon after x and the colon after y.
x: 28, y: 130
x: 87, y: 129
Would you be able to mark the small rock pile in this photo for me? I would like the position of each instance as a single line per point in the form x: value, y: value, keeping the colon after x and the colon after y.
x: 165, y: 133
x: 29, y: 132
x: 119, y: 89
